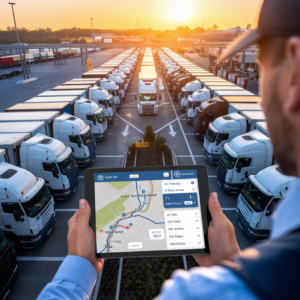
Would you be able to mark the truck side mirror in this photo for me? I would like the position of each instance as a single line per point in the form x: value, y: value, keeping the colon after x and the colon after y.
x: 247, y: 174
x: 135, y: 96
x: 159, y: 96
x: 239, y: 167
x: 17, y: 215
x: 54, y: 172
x: 105, y: 105
x: 219, y: 140
x: 79, y: 143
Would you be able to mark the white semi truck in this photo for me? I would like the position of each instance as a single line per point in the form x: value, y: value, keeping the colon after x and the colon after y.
x: 27, y: 213
x: 44, y: 157
x: 113, y: 90
x: 224, y: 129
x: 102, y: 98
x: 245, y: 155
x: 120, y: 82
x: 122, y: 75
x: 187, y: 91
x: 147, y: 94
x: 70, y: 130
x: 194, y: 101
x: 87, y: 110
x: 259, y: 199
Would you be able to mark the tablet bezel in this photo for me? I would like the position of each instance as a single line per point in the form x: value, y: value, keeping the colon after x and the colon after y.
x: 203, y: 186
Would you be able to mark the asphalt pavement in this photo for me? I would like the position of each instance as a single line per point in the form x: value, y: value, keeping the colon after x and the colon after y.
x: 38, y: 266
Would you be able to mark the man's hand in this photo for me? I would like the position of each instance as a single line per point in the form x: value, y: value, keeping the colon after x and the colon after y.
x: 221, y: 236
x: 81, y: 238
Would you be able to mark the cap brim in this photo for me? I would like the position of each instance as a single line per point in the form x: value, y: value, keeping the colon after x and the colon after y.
x: 241, y: 43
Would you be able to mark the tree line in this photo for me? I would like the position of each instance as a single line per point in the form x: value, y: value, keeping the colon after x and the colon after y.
x: 47, y: 35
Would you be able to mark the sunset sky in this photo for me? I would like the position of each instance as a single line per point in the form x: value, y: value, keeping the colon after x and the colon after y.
x: 123, y: 14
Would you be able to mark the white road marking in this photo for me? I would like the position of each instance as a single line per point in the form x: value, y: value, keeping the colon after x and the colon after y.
x: 186, y: 141
x: 172, y: 132
x: 109, y: 156
x: 189, y: 155
x: 126, y: 132
x: 166, y: 125
x: 65, y: 209
x: 130, y: 124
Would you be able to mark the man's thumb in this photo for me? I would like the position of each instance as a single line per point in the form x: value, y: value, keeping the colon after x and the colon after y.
x: 215, y: 209
x: 84, y: 212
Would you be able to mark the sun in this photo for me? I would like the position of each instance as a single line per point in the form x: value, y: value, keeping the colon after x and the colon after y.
x: 180, y: 12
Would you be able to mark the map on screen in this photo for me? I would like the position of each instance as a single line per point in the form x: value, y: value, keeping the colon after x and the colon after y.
x: 134, y: 213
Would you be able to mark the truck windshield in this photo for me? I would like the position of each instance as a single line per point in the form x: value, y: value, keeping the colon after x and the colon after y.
x: 256, y: 198
x: 210, y: 135
x: 100, y: 117
x: 38, y: 202
x: 228, y: 160
x: 148, y: 97
x: 194, y: 104
x: 87, y: 138
x: 3, y: 240
x: 67, y: 165
x: 113, y: 93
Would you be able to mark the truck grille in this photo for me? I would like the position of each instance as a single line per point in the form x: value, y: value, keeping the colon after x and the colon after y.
x: 244, y: 208
x: 7, y: 265
x: 46, y: 214
x: 73, y: 177
x: 92, y: 148
x: 148, y: 108
x: 221, y: 171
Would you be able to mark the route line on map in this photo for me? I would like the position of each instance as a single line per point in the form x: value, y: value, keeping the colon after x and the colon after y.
x: 131, y: 216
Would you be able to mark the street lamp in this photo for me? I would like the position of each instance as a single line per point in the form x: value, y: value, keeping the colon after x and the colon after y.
x: 22, y: 64
x: 92, y: 23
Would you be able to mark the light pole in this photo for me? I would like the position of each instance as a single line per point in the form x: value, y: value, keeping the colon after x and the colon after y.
x: 22, y: 64
x: 92, y: 23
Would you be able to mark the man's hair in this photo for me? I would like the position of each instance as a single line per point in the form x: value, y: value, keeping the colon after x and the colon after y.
x: 278, y: 48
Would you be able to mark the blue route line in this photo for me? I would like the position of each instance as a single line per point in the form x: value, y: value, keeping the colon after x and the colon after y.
x: 131, y: 216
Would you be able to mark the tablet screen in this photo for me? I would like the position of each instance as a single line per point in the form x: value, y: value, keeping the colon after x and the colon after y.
x: 148, y: 211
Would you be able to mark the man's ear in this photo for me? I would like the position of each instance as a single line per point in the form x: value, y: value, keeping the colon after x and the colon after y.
x: 292, y: 52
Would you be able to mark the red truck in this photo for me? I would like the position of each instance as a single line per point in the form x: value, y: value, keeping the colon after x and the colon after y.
x: 207, y: 113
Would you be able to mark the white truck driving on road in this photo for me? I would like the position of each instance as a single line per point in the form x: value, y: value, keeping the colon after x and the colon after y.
x: 27, y: 213
x: 258, y: 200
x: 44, y: 157
x: 225, y: 128
x: 245, y: 155
x: 104, y: 100
x: 194, y: 101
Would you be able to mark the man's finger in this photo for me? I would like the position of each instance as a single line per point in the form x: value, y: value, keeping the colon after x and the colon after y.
x: 84, y: 212
x: 215, y: 209
x: 73, y: 220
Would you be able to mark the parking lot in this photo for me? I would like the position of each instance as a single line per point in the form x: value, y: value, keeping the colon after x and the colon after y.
x: 38, y: 266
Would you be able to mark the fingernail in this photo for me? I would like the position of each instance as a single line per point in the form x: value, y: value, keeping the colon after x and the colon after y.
x: 82, y: 203
x: 215, y: 197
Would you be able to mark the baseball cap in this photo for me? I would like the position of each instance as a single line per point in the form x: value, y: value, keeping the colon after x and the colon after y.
x: 277, y: 17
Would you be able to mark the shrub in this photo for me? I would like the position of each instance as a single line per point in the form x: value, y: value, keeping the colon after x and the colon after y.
x: 170, y: 260
x: 139, y: 266
x: 147, y: 292
x: 156, y: 260
x: 141, y: 293
x: 162, y: 258
x: 145, y: 260
x: 138, y: 272
x: 129, y: 272
x: 165, y: 267
x: 163, y: 272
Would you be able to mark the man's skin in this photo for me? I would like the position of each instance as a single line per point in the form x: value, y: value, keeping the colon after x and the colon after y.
x: 280, y: 91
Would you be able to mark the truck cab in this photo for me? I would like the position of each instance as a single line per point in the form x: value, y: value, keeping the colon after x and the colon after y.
x: 207, y: 113
x: 113, y: 90
x: 105, y: 101
x: 27, y: 213
x: 127, y: 72
x: 194, y: 101
x: 8, y: 266
x: 147, y: 97
x: 245, y: 155
x: 77, y: 135
x: 120, y: 82
x: 259, y: 199
x: 123, y: 77
x: 187, y: 91
x: 221, y: 131
x: 179, y: 83
x: 92, y: 115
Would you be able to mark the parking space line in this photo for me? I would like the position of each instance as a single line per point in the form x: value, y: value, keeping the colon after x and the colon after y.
x: 189, y: 155
x: 130, y: 124
x: 109, y: 156
x: 165, y: 126
x: 186, y: 141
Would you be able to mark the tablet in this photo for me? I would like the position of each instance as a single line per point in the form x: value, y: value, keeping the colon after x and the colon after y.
x: 148, y: 211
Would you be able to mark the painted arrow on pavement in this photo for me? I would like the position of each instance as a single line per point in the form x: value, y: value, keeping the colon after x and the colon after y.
x: 126, y: 132
x: 172, y: 132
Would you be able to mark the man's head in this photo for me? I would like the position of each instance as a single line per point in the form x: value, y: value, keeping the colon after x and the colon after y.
x: 278, y: 36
